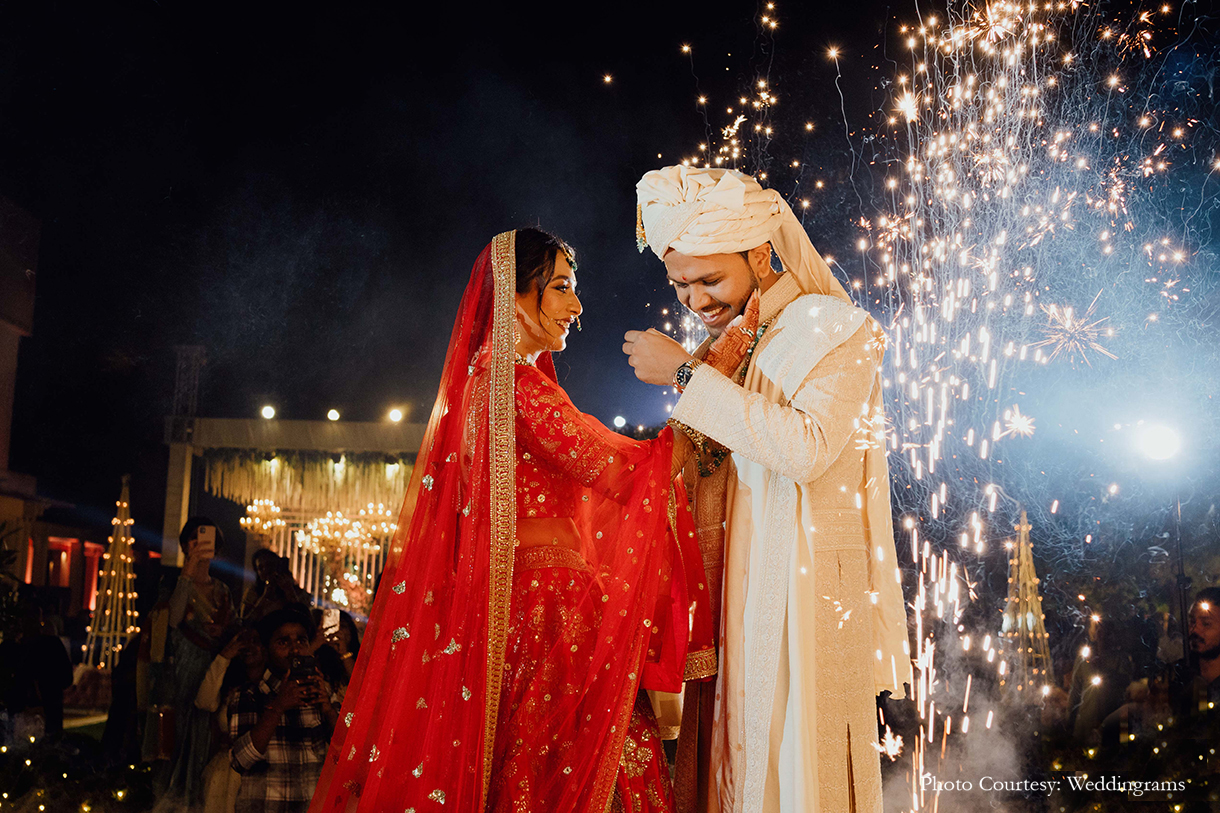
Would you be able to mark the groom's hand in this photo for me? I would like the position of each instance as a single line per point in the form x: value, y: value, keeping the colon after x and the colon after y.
x: 654, y: 356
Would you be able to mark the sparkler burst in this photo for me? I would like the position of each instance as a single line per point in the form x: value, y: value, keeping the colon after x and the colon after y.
x: 1016, y: 423
x: 890, y: 745
x: 1074, y: 335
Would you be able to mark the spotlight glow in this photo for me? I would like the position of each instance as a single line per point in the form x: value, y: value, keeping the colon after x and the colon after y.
x: 1157, y: 441
x: 268, y: 412
x: 395, y: 415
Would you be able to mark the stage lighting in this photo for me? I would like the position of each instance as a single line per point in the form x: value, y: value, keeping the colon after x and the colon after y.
x: 268, y: 412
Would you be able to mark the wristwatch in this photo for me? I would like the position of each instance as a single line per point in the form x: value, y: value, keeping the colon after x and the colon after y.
x: 682, y: 375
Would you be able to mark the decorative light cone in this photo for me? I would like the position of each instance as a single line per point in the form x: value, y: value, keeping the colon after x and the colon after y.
x: 1024, y: 641
x: 115, y: 619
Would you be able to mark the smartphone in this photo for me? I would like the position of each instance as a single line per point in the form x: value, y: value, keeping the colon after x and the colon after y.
x: 330, y: 622
x: 205, y: 541
x: 303, y: 666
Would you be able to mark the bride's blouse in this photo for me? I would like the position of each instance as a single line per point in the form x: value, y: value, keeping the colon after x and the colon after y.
x: 561, y: 451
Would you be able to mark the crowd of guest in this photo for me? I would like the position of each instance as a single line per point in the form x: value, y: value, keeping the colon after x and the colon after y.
x: 1132, y: 674
x: 232, y: 703
x: 229, y: 704
x: 1139, y: 703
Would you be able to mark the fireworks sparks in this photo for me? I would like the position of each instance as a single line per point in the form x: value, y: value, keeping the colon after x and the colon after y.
x: 1020, y: 184
x: 1073, y: 335
x: 890, y: 745
x: 908, y: 106
x: 1026, y: 171
x: 998, y: 21
x: 1016, y: 423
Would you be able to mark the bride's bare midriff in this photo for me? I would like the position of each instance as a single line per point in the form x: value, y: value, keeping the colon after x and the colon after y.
x: 552, y: 531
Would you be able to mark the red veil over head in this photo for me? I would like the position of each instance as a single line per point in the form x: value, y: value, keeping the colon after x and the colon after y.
x: 417, y: 730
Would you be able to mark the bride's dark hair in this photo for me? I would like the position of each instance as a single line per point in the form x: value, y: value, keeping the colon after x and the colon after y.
x: 536, y: 252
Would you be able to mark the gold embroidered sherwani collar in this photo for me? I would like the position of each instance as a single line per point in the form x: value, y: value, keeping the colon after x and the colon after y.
x: 777, y: 297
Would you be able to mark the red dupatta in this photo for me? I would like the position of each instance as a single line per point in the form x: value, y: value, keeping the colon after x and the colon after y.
x: 418, y: 725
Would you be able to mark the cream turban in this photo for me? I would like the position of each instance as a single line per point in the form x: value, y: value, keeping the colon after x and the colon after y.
x: 722, y: 211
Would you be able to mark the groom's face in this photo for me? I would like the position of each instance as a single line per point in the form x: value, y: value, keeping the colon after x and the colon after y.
x: 716, y: 287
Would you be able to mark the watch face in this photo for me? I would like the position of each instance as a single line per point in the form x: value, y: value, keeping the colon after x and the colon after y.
x: 684, y: 374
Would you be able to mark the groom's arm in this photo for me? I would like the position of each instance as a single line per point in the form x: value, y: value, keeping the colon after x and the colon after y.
x: 799, y: 440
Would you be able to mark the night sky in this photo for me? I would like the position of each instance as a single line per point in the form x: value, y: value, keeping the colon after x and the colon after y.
x: 303, y: 193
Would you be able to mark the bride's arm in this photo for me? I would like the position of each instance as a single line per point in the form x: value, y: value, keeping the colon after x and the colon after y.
x: 684, y: 450
x: 579, y: 445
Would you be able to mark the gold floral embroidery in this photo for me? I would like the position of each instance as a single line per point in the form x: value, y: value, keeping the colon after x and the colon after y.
x: 399, y: 634
x: 532, y: 558
x: 636, y: 758
x: 418, y: 771
x: 400, y: 588
x: 437, y: 796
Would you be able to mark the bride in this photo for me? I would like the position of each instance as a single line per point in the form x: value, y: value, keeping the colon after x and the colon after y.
x: 544, y: 572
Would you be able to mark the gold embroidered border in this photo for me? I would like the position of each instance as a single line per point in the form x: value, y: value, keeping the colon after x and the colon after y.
x: 502, y: 462
x: 700, y: 664
x: 767, y: 632
x: 532, y: 558
x: 604, y: 782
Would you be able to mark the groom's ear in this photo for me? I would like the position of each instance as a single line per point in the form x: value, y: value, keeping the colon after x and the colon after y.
x: 759, y: 259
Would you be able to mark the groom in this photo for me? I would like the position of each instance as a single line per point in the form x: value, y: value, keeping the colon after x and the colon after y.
x: 791, y: 495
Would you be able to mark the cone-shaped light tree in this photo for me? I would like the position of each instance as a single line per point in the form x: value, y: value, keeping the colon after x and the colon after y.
x: 1026, y: 670
x: 114, y: 620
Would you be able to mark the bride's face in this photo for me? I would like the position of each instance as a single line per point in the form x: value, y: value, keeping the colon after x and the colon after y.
x: 544, y: 325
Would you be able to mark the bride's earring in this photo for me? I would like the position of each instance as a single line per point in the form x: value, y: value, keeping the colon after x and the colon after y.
x: 578, y: 327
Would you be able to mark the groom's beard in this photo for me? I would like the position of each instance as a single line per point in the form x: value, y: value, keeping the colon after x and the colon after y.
x: 734, y: 310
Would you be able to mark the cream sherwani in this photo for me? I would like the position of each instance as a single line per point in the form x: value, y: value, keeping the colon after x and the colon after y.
x: 812, y: 621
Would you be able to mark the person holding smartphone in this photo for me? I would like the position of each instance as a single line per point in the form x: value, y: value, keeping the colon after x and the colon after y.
x: 200, y: 613
x: 281, y: 725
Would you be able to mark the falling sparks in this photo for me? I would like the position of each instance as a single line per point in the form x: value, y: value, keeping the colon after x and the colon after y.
x: 1020, y: 171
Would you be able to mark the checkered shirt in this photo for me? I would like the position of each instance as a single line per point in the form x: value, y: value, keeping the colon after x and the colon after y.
x: 282, y: 779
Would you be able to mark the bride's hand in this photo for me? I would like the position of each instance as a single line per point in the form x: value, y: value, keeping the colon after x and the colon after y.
x: 728, y: 352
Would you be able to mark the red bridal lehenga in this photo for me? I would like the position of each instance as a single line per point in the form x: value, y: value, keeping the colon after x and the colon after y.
x: 544, y: 572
